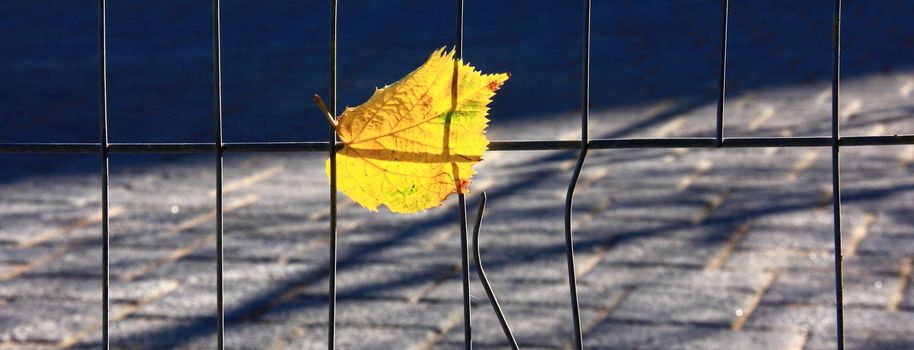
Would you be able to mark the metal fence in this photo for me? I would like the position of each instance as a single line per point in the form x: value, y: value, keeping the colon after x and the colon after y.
x: 218, y: 148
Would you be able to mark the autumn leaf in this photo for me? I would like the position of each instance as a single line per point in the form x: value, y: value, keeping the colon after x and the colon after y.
x: 415, y: 142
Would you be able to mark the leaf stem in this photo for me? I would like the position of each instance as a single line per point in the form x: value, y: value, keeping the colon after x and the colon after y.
x: 323, y: 107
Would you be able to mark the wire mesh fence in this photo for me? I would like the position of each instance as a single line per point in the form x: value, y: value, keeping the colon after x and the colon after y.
x: 583, y: 146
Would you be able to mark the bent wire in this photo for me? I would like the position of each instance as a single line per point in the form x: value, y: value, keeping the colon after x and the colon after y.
x: 485, y: 280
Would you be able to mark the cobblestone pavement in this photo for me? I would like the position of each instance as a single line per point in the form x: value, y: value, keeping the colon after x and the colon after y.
x: 676, y: 248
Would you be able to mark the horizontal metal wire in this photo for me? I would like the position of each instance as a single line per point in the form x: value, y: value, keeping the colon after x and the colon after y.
x: 532, y: 145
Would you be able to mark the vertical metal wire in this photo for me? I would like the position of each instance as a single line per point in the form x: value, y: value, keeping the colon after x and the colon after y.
x: 103, y: 149
x: 331, y: 323
x: 722, y: 83
x: 462, y: 206
x: 217, y: 105
x: 836, y: 173
x: 569, y: 196
x: 465, y: 270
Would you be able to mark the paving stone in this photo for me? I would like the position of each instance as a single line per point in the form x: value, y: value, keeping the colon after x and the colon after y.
x: 878, y: 320
x: 86, y: 260
x: 40, y: 320
x: 144, y: 333
x: 397, y: 281
x: 860, y: 340
x: 661, y: 251
x: 363, y: 338
x: 805, y: 230
x: 258, y: 272
x: 907, y: 296
x: 187, y: 271
x: 884, y: 245
x: 83, y: 289
x: 7, y: 269
x: 247, y: 248
x: 805, y: 288
x: 872, y: 264
x: 20, y: 227
x: 889, y: 223
x: 244, y: 336
x: 533, y: 327
x: 795, y: 318
x: 403, y: 253
x: 546, y: 267
x: 822, y: 261
x: 201, y: 270
x: 395, y: 243
x: 312, y: 311
x: 192, y: 301
x: 639, y: 276
x: 152, y: 232
x: 818, y: 318
x: 15, y: 255
x: 704, y: 306
x: 532, y: 293
x: 611, y: 335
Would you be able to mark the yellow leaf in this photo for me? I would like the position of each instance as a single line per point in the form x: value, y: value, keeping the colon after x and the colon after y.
x: 415, y: 142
